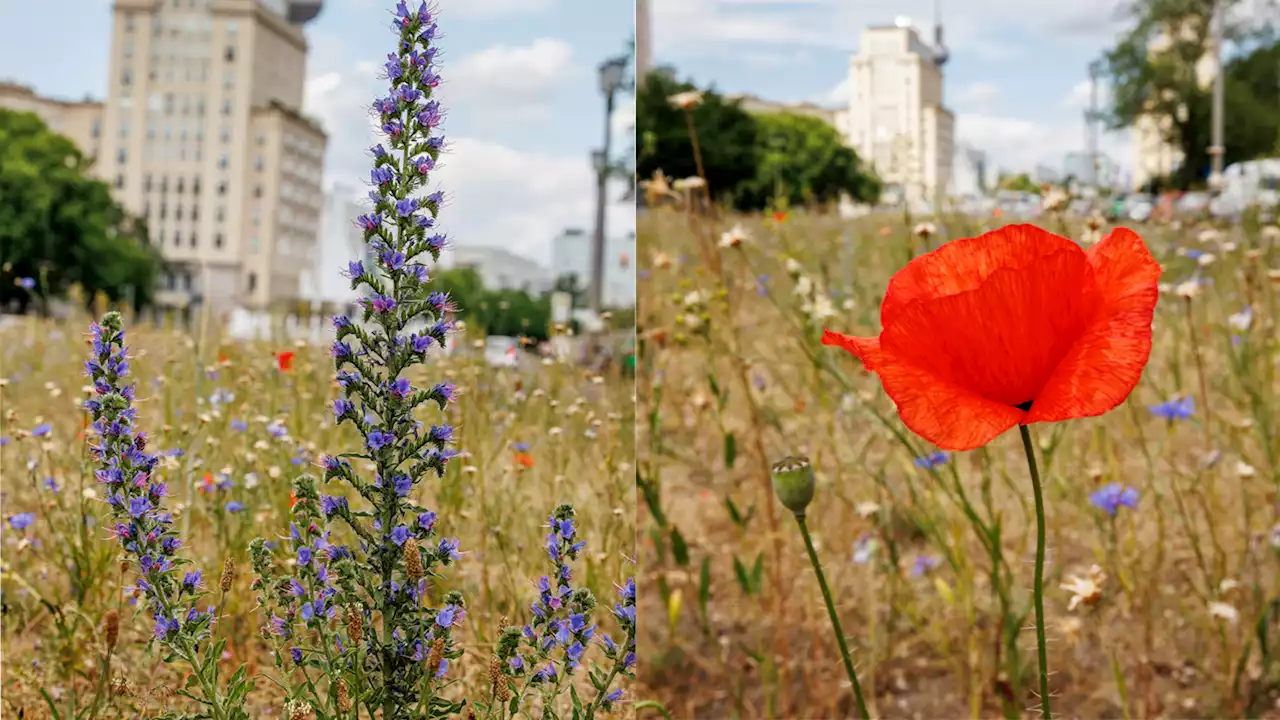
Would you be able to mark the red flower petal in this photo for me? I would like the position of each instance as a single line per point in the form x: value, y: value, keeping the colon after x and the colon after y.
x: 1107, y: 360
x: 945, y: 414
x: 965, y: 264
x: 1003, y: 339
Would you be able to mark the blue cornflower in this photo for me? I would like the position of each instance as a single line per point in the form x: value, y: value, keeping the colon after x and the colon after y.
x: 1111, y: 498
x: 235, y: 506
x: 923, y: 564
x: 41, y: 430
x: 399, y: 535
x: 22, y: 521
x: 26, y: 283
x: 932, y: 460
x: 378, y: 439
x: 1176, y: 409
x: 239, y: 425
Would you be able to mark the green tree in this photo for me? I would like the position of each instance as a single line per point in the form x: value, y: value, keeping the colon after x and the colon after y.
x: 726, y: 135
x: 803, y: 159
x: 61, y: 226
x: 1153, y: 73
x: 1019, y: 183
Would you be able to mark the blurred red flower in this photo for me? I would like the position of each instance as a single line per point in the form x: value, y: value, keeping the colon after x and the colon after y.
x: 524, y: 459
x: 780, y: 216
x: 284, y: 360
x: 1016, y: 326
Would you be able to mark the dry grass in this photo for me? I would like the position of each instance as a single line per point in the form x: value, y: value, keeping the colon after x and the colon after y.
x: 732, y: 378
x: 61, y: 576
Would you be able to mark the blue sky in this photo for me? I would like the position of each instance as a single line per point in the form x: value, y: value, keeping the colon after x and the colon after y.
x: 520, y: 89
x: 1016, y: 79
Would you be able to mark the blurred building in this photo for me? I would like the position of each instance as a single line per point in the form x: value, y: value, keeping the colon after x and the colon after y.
x: 571, y: 255
x: 341, y: 242
x: 501, y: 269
x: 81, y: 121
x: 968, y: 173
x: 1155, y: 156
x: 897, y: 120
x: 201, y: 133
x: 1081, y: 167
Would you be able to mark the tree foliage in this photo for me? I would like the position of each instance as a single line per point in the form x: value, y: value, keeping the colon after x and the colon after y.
x: 803, y: 159
x: 60, y: 226
x: 1153, y: 71
x: 496, y: 312
x: 751, y: 160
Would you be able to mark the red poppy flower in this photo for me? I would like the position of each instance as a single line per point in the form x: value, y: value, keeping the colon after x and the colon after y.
x: 284, y: 360
x: 1016, y: 326
x: 780, y: 216
x: 524, y: 460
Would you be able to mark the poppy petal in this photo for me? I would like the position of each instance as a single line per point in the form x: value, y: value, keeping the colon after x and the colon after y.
x: 1106, y: 362
x: 940, y: 411
x: 1003, y: 339
x: 937, y: 410
x: 965, y: 264
x: 865, y: 349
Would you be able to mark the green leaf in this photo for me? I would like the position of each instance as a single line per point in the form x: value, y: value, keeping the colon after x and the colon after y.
x: 679, y: 549
x: 757, y: 573
x: 730, y: 450
x: 740, y: 570
x: 704, y: 585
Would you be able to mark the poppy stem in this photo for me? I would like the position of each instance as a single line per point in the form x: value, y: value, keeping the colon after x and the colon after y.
x: 835, y: 620
x: 1038, y: 587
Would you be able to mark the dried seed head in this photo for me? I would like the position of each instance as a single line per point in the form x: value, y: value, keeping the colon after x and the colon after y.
x: 413, y: 561
x: 344, y: 698
x: 120, y: 686
x: 437, y: 654
x: 111, y: 627
x: 298, y: 710
x: 355, y: 626
x: 496, y: 681
x: 228, y: 575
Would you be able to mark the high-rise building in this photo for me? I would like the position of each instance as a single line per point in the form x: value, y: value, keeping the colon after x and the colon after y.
x: 897, y: 120
x: 571, y: 255
x: 201, y: 134
x: 1156, y: 157
x: 499, y: 268
x: 341, y: 242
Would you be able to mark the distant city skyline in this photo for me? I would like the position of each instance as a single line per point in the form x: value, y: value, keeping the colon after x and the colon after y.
x: 1018, y: 86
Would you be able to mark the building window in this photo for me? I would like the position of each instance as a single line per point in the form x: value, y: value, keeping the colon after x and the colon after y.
x: 195, y: 186
x: 217, y: 241
x: 177, y: 238
x: 231, y: 53
x: 226, y: 134
x: 192, y: 242
x: 226, y: 107
x: 220, y: 214
x: 164, y: 209
x: 195, y: 212
x: 222, y: 161
x: 222, y: 187
x: 124, y: 129
x: 146, y: 210
x: 179, y: 186
x: 126, y: 78
x: 97, y: 128
x: 128, y: 23
x: 119, y: 182
x: 177, y: 213
x: 257, y: 191
x: 164, y: 183
x: 122, y: 156
x: 253, y: 282
x: 259, y: 163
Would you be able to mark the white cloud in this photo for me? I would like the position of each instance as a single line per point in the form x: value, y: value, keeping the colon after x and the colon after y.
x: 514, y: 83
x: 701, y: 26
x: 495, y: 195
x: 838, y: 96
x: 978, y: 97
x: 1019, y: 145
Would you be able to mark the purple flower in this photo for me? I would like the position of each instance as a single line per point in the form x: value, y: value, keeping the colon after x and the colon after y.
x: 1114, y: 496
x: 399, y: 535
x: 235, y: 506
x: 27, y: 283
x: 378, y: 439
x: 382, y: 303
x: 41, y: 430
x: 22, y: 521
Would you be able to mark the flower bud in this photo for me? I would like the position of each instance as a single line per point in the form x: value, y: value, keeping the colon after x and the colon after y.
x: 793, y: 482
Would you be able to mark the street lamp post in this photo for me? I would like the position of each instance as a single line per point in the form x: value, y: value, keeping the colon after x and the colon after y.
x: 1219, y: 90
x: 612, y: 74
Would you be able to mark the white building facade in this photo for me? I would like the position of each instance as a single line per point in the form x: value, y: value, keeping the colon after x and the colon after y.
x: 571, y: 255
x: 500, y: 269
x: 896, y: 119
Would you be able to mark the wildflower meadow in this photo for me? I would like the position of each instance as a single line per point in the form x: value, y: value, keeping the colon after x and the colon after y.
x: 767, y: 450
x: 199, y: 526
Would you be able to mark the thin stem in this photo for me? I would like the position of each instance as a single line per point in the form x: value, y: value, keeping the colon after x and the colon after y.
x: 835, y: 620
x: 1038, y: 587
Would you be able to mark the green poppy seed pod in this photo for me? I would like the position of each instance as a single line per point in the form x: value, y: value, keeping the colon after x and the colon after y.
x: 793, y: 482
